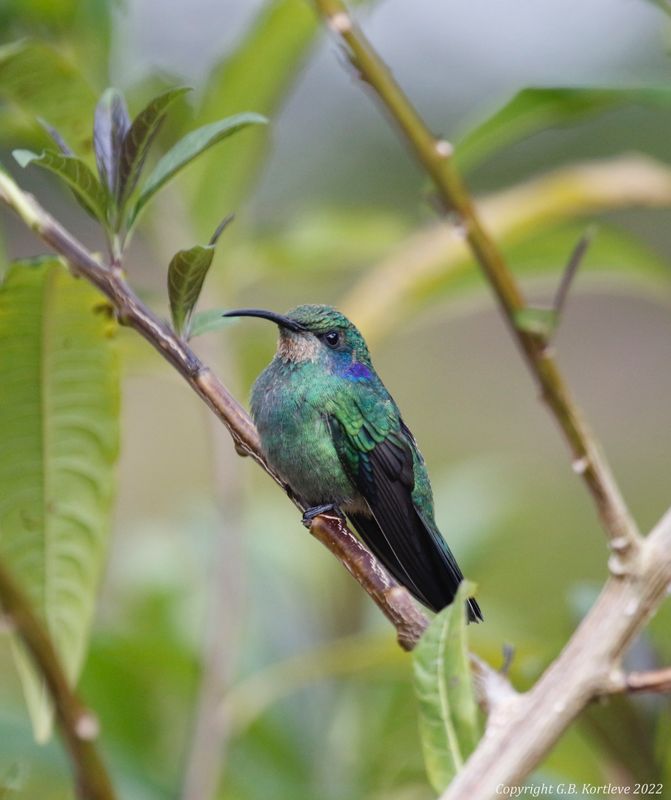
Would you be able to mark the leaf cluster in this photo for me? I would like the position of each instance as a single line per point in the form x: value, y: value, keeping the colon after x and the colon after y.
x: 114, y: 197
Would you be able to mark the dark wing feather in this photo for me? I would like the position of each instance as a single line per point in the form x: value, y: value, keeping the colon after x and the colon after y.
x: 409, y: 546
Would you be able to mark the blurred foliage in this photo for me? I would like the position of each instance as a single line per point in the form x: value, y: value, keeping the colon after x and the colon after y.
x: 321, y: 702
x: 59, y: 439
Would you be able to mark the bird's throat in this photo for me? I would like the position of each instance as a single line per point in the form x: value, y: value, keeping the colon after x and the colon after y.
x: 297, y: 348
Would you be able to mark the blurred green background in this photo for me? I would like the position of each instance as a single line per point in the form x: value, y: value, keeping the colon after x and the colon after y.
x: 232, y: 657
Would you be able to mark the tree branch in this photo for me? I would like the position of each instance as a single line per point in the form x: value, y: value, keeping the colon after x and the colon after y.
x: 78, y: 725
x: 657, y: 681
x: 587, y: 668
x: 525, y: 726
x: 394, y: 601
x: 435, y: 155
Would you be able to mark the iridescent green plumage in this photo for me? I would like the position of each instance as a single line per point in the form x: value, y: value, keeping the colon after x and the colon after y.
x: 332, y: 431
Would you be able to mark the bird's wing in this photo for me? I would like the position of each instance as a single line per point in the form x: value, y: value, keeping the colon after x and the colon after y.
x: 377, y: 454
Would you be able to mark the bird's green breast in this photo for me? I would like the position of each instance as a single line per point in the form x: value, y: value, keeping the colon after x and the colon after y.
x: 290, y: 405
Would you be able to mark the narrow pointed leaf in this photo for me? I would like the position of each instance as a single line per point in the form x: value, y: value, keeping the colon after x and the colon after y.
x: 186, y: 275
x: 110, y: 126
x: 188, y: 148
x: 59, y: 140
x: 283, y: 32
x: 208, y: 321
x: 539, y: 108
x: 58, y: 438
x: 39, y: 80
x: 442, y: 680
x: 84, y: 184
x: 140, y: 137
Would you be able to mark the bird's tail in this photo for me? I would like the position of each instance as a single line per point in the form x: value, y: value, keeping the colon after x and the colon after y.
x: 427, y: 568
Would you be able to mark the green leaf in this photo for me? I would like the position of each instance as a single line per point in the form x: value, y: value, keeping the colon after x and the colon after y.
x: 84, y: 184
x: 186, y: 274
x: 536, y: 109
x: 613, y: 259
x: 188, y: 148
x: 59, y: 439
x: 208, y: 321
x: 140, y: 137
x: 258, y: 75
x: 110, y: 126
x: 448, y: 716
x: 41, y: 82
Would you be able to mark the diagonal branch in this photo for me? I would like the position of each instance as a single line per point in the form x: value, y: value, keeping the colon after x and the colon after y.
x: 393, y: 600
x: 436, y: 156
x: 78, y: 725
x: 587, y: 668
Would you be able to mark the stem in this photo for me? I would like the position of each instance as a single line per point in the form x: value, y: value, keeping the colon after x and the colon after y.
x: 435, y: 155
x: 657, y: 681
x: 78, y: 725
x: 587, y: 668
x: 393, y: 599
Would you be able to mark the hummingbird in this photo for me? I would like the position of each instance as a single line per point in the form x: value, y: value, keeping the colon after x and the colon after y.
x: 330, y: 429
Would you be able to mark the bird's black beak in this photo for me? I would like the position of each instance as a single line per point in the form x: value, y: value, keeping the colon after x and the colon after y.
x: 278, y: 319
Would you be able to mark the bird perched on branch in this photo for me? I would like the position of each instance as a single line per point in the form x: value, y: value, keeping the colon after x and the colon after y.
x: 334, y: 434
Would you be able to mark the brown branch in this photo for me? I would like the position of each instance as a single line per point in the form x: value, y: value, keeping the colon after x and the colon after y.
x: 435, y: 155
x: 77, y: 724
x: 394, y: 601
x: 657, y: 681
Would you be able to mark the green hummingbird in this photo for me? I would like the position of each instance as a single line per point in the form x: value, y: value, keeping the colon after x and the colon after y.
x: 334, y: 434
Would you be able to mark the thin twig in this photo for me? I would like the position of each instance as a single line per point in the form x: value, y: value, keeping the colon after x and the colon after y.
x: 657, y: 681
x: 393, y: 599
x: 586, y: 668
x: 435, y: 155
x: 77, y: 724
x: 570, y: 272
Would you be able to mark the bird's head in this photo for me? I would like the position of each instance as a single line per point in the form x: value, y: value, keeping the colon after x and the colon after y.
x: 320, y: 334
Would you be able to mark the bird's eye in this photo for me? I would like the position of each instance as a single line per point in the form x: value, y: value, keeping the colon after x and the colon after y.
x: 332, y: 338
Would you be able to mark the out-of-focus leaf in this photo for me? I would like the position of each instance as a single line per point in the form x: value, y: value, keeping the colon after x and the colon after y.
x: 60, y: 142
x: 328, y: 240
x: 663, y: 5
x: 110, y: 126
x: 58, y: 438
x: 613, y: 256
x: 614, y: 260
x: 621, y: 728
x: 437, y: 259
x: 208, y: 321
x: 40, y: 81
x: 84, y: 184
x: 140, y: 137
x: 448, y: 715
x: 537, y: 109
x: 256, y: 75
x: 188, y: 148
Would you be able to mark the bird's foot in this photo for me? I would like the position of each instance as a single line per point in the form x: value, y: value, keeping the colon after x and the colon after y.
x: 314, y: 511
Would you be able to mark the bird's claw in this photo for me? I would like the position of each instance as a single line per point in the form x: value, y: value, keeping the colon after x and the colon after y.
x: 314, y: 511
